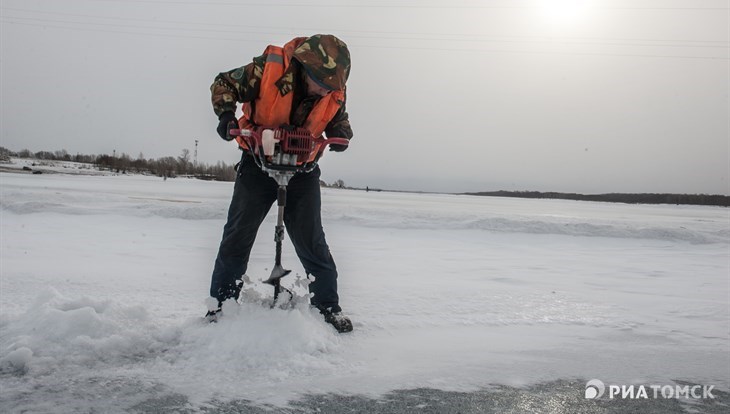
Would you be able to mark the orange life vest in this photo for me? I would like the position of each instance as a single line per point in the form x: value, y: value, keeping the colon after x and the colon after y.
x: 273, y: 109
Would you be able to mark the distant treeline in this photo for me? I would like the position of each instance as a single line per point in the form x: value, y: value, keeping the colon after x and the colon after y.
x: 649, y: 198
x: 123, y: 163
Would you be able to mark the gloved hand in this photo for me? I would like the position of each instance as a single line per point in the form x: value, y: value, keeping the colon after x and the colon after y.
x: 337, y: 147
x: 226, y: 122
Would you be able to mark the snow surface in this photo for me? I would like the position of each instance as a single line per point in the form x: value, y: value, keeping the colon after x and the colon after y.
x: 104, y: 281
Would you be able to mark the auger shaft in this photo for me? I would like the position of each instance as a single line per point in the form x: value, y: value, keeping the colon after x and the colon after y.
x: 278, y: 271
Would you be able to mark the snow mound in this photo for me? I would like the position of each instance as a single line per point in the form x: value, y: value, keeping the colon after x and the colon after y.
x: 71, y: 340
x: 57, y: 333
x: 252, y: 347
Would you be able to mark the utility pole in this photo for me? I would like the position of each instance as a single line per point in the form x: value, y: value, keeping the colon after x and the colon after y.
x: 195, y: 156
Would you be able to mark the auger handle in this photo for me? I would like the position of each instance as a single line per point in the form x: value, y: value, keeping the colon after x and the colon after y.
x: 257, y: 136
x: 336, y: 141
x: 240, y: 132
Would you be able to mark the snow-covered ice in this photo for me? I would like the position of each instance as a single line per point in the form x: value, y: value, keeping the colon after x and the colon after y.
x: 104, y: 282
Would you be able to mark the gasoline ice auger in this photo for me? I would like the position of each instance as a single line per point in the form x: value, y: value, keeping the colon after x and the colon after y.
x: 281, y: 153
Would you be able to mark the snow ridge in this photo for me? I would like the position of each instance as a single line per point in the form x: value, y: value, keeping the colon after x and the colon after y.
x: 438, y: 218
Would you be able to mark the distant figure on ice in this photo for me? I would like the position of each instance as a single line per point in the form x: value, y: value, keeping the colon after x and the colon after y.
x: 301, y: 84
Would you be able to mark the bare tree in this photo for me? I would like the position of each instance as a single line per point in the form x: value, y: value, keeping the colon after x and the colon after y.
x: 184, y: 161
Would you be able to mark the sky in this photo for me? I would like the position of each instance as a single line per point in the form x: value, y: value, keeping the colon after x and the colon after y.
x: 588, y: 96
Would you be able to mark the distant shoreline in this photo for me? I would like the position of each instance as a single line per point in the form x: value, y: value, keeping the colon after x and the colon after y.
x: 628, y: 198
x: 80, y: 168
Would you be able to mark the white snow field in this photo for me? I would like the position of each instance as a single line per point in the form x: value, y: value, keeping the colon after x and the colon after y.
x: 104, y: 281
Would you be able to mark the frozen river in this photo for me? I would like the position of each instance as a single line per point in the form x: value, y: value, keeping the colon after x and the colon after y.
x: 460, y: 303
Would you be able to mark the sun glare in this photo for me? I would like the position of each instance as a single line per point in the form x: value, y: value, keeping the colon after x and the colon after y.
x: 562, y: 12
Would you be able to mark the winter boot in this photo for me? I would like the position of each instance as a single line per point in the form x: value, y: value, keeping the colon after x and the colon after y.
x: 341, y: 322
x: 212, y: 315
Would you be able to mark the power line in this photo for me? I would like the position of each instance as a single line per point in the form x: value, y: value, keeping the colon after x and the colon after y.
x: 465, y: 38
x: 387, y: 33
x: 549, y: 52
x: 84, y: 29
x: 379, y: 46
x: 131, y: 26
x: 388, y: 6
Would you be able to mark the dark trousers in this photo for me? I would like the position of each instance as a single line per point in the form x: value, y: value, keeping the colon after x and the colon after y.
x: 253, y: 195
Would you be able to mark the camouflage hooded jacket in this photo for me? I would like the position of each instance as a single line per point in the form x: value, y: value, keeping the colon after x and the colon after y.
x: 242, y: 84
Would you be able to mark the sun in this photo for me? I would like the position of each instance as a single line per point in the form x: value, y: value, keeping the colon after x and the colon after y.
x: 562, y: 12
